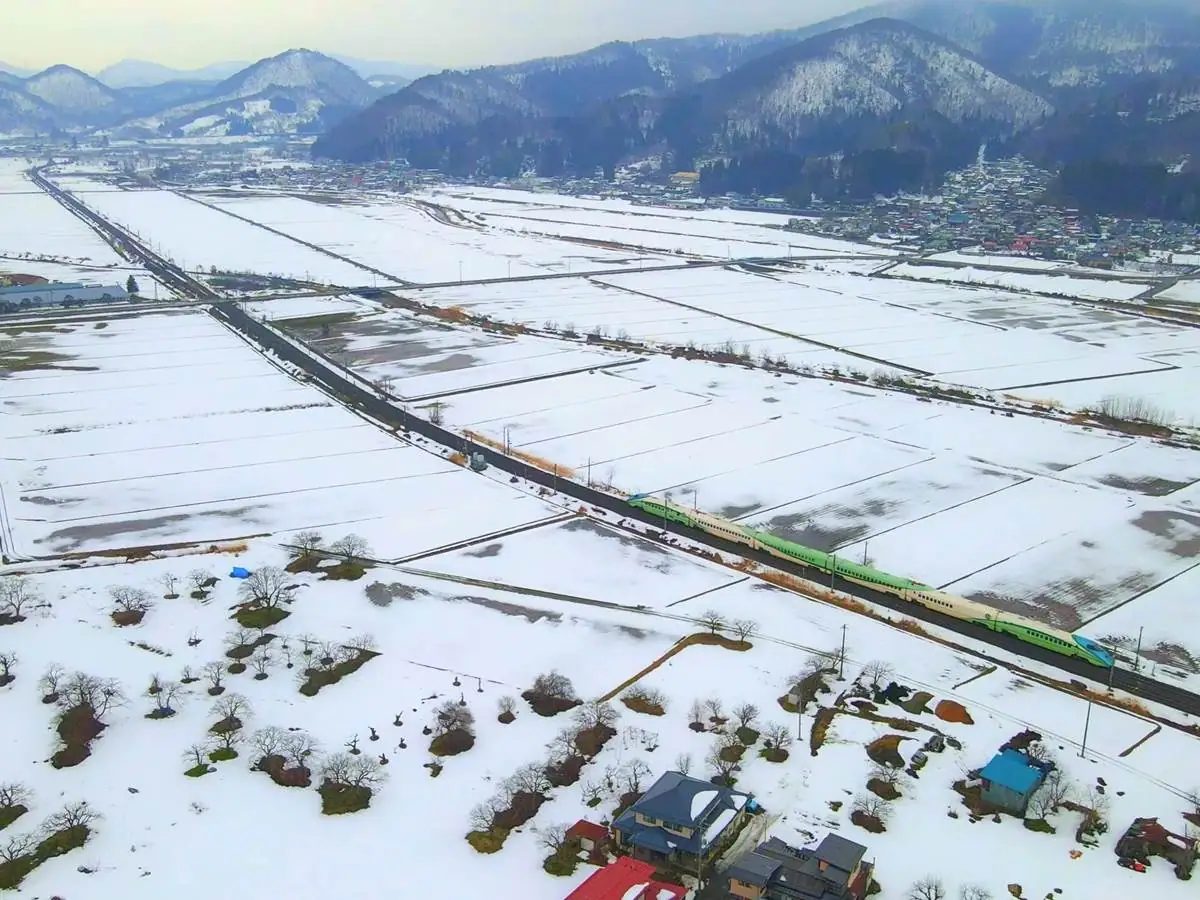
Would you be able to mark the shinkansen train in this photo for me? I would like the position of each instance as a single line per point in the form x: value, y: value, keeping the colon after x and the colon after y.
x: 1020, y: 627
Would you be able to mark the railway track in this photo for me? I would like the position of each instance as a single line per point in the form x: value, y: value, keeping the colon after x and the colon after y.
x: 357, y: 396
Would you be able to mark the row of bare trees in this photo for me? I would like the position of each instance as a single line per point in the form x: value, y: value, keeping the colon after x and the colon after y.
x: 715, y: 622
x: 19, y: 597
x: 350, y: 547
x: 71, y: 817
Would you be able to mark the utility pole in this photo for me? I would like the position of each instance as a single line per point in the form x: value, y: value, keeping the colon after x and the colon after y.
x: 1137, y: 654
x: 842, y: 656
x: 1112, y: 670
x: 589, y: 472
x: 1086, y: 722
x: 866, y: 544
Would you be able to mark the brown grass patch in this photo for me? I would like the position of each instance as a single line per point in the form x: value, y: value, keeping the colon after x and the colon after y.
x: 820, y: 730
x: 644, y: 706
x: 452, y: 743
x: 867, y: 823
x: 952, y: 711
x: 733, y: 753
x: 315, y: 679
x: 882, y: 789
x: 547, y: 706
x: 276, y: 767
x: 885, y: 750
x: 77, y: 728
x: 546, y: 465
x: 123, y: 618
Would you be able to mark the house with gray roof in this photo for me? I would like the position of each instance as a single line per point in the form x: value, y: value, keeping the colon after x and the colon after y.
x: 681, y: 819
x: 833, y: 870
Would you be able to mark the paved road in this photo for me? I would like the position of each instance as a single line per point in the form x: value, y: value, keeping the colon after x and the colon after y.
x: 357, y: 397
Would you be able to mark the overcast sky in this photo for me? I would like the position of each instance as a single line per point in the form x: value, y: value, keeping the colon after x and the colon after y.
x: 91, y: 34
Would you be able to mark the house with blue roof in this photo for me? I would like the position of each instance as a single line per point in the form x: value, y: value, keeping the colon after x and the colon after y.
x: 1010, y: 779
x: 681, y: 819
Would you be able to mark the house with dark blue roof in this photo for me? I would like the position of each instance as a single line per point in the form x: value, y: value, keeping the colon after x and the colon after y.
x: 1010, y: 779
x: 680, y: 819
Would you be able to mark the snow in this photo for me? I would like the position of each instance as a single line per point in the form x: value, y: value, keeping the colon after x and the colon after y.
x: 35, y: 225
x: 701, y: 802
x: 1053, y: 284
x: 635, y: 891
x: 1184, y: 291
x: 200, y: 238
x: 719, y: 824
x: 410, y: 244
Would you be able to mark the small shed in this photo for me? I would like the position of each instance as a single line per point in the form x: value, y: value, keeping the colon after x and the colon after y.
x: 1010, y: 779
x: 239, y: 572
x: 589, y: 834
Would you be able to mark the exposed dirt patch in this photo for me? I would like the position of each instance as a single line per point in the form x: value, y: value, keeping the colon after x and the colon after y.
x: 276, y: 767
x: 524, y: 806
x: 486, y: 552
x: 260, y: 617
x: 385, y: 594
x: 547, y: 706
x: 774, y: 754
x: 644, y: 706
x: 77, y: 728
x: 10, y: 814
x: 512, y: 609
x: 566, y: 772
x: 952, y: 711
x: 318, y: 678
x: 452, y: 743
x: 1150, y: 486
x: 590, y: 741
x: 867, y: 823
x: 881, y: 788
x: 885, y: 750
x: 732, y: 753
x: 123, y: 618
x: 820, y: 730
x: 506, y: 718
x: 341, y: 799
x: 916, y: 704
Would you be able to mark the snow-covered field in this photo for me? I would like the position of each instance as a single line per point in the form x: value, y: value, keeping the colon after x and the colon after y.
x: 1037, y: 283
x: 716, y: 234
x: 411, y: 244
x: 33, y: 224
x: 169, y: 428
x: 1033, y: 515
x: 164, y: 834
x: 200, y: 239
x: 1185, y: 291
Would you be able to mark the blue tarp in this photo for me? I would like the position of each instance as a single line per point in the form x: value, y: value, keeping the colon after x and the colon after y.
x: 239, y: 572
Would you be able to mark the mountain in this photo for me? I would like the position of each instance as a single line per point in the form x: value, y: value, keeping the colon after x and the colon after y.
x: 454, y: 101
x: 74, y: 95
x: 15, y: 71
x: 21, y: 112
x: 138, y: 73
x: 298, y: 90
x: 368, y: 69
x: 839, y: 89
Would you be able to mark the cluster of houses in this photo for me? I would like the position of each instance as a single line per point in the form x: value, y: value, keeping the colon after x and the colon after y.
x: 684, y: 824
x: 17, y: 297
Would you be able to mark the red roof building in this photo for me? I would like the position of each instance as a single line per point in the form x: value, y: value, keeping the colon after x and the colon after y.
x: 626, y: 879
x: 589, y: 834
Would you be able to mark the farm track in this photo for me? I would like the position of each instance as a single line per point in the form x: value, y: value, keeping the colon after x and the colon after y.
x: 357, y: 397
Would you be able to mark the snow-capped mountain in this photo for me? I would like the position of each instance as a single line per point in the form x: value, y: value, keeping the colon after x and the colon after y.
x: 881, y: 69
x: 298, y: 90
x: 22, y: 112
x: 71, y: 92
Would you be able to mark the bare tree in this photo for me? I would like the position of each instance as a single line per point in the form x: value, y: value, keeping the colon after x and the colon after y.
x: 870, y: 805
x: 885, y: 774
x: 168, y: 693
x: 197, y: 755
x: 481, y: 816
x: 507, y: 704
x: 130, y: 599
x: 696, y: 713
x: 928, y: 888
x: 308, y: 542
x: 8, y: 659
x: 262, y: 661
x: 683, y: 763
x: 974, y: 892
x: 554, y: 684
x: 743, y: 628
x: 97, y: 694
x: 745, y: 715
x: 352, y: 546
x: 19, y: 845
x: 777, y: 737
x: 713, y: 621
x: 596, y: 714
x: 231, y: 706
x: 715, y: 708
x: 228, y: 739
x: 1050, y: 796
x: 241, y: 637
x: 878, y: 671
x: 14, y: 794
x: 298, y: 748
x: 552, y: 837
x: 50, y: 680
x: 169, y: 582
x: 73, y: 815
x: 353, y: 771
x: 270, y: 741
x: 721, y: 767
x: 452, y: 716
x: 266, y: 588
x: 198, y: 579
x: 635, y: 771
x: 562, y: 746
x: 528, y: 779
x: 214, y: 673
x: 362, y: 643
x: 18, y: 596
x: 1039, y: 751
x: 592, y: 792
